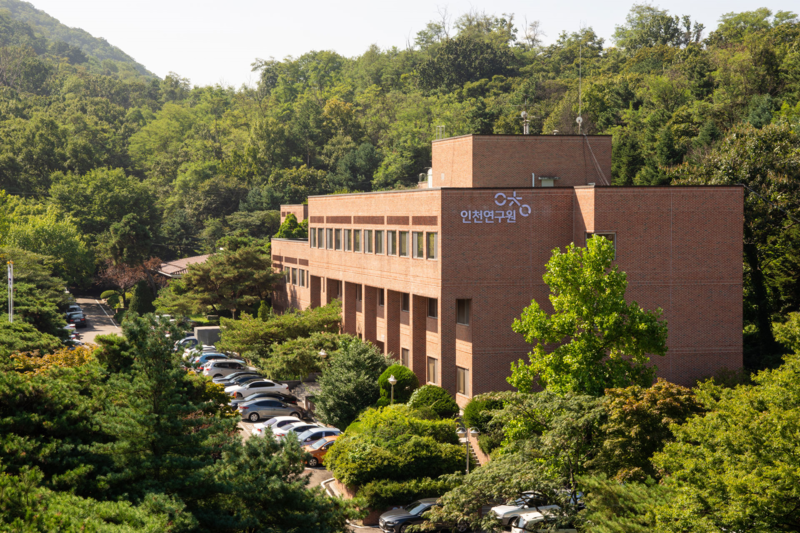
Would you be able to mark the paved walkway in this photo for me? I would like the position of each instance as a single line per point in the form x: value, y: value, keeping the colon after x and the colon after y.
x: 100, y: 320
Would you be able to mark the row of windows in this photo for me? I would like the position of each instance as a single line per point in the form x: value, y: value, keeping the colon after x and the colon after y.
x: 423, y: 245
x: 296, y: 276
x: 463, y: 307
x: 462, y: 374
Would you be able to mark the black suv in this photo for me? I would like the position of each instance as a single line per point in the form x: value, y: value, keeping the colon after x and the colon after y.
x: 399, y: 520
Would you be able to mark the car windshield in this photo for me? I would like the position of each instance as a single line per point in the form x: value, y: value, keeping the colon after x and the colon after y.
x: 417, y: 508
x: 307, y: 433
x: 319, y: 444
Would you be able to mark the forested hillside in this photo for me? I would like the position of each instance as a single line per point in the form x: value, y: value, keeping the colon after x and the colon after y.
x: 99, y: 52
x: 124, y: 168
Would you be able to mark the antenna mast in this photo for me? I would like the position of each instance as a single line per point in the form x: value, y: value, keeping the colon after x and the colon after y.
x: 579, y: 120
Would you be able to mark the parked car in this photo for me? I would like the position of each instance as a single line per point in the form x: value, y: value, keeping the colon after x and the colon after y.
x: 253, y: 387
x: 266, y: 408
x: 229, y: 379
x: 285, y: 398
x: 399, y: 520
x: 221, y: 368
x: 279, y: 421
x: 319, y: 449
x: 527, y: 500
x: 186, y: 344
x: 78, y: 318
x: 297, y: 429
x: 197, y: 351
x: 205, y: 358
x: 312, y: 435
x: 542, y: 520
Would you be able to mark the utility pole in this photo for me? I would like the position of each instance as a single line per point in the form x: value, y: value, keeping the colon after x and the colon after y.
x: 11, y: 292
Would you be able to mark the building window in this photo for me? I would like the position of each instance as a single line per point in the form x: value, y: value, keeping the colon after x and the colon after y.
x: 320, y: 238
x: 287, y: 272
x: 405, y: 302
x: 380, y: 297
x: 391, y: 242
x: 356, y: 240
x: 405, y: 357
x: 463, y: 311
x: 431, y: 248
x: 348, y: 240
x: 433, y: 308
x: 462, y: 381
x: 418, y: 245
x: 312, y: 237
x: 294, y: 276
x: 367, y: 241
x: 379, y: 242
x: 330, y: 238
x: 338, y: 239
x: 610, y: 236
x: 403, y: 244
x: 359, y: 292
x: 302, y: 279
x: 432, y: 373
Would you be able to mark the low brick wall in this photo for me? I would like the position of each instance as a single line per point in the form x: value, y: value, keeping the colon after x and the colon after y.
x: 482, y: 457
x: 348, y: 493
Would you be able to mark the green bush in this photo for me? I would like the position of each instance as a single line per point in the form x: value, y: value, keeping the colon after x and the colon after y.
x: 490, y: 442
x: 407, y: 383
x: 112, y: 298
x: 383, y: 493
x: 297, y: 358
x: 142, y: 300
x: 477, y: 413
x: 435, y: 398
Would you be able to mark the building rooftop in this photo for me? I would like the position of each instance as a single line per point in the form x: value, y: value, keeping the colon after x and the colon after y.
x: 177, y: 268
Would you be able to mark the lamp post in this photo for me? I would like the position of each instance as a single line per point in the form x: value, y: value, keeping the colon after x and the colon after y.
x: 323, y: 354
x: 392, y: 382
x: 10, y: 291
x: 462, y: 434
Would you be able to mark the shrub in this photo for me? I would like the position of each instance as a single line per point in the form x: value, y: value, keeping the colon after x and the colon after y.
x: 407, y: 383
x: 112, y: 298
x: 477, y: 413
x: 490, y: 442
x: 264, y: 311
x: 142, y: 300
x: 383, y: 493
x: 436, y: 399
x: 297, y: 358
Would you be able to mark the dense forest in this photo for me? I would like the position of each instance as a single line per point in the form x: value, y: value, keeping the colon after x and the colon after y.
x: 101, y: 163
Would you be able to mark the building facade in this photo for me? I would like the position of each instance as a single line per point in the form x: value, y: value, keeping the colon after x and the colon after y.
x: 437, y: 275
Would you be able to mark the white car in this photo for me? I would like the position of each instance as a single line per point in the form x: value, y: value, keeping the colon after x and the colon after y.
x: 197, y: 351
x: 512, y: 509
x: 252, y: 387
x: 219, y: 368
x: 540, y: 521
x: 296, y: 428
x: 278, y: 421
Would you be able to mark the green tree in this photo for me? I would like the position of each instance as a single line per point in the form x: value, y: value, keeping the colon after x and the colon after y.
x: 648, y: 26
x: 463, y: 59
x: 434, y: 399
x: 603, y: 340
x: 290, y: 229
x: 349, y: 382
x: 264, y: 311
x: 142, y: 299
x: 128, y: 241
x: 407, y: 383
x: 297, y: 358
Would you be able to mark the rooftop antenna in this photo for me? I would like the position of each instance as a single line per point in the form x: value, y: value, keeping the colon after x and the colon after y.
x: 579, y: 120
x: 525, y: 118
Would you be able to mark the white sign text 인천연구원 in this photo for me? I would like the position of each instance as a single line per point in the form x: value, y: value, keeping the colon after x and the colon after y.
x: 489, y: 216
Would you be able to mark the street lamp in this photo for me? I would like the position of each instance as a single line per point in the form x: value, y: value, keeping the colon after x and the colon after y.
x: 393, y: 382
x: 323, y: 354
x: 462, y: 434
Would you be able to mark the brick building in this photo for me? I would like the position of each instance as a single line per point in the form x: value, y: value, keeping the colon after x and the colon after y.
x: 436, y: 275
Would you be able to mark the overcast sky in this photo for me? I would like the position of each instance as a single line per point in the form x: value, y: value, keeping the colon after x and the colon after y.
x: 215, y: 42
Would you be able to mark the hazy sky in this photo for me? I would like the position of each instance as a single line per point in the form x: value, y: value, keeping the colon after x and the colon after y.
x: 215, y: 42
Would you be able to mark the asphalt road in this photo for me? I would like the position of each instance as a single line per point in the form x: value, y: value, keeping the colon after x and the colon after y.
x: 100, y: 320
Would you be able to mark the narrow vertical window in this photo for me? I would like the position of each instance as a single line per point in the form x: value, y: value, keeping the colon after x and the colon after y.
x: 433, y: 308
x: 380, y: 297
x: 403, y: 244
x: 405, y: 357
x: 294, y: 276
x: 356, y: 240
x: 302, y: 277
x: 391, y: 242
x: 320, y: 238
x: 379, y: 242
x: 431, y: 245
x: 432, y: 370
x: 405, y: 304
x: 462, y: 381
x: 338, y: 239
x: 367, y: 241
x: 329, y: 233
x: 312, y: 237
x: 359, y: 292
x: 418, y: 245
x: 463, y: 311
x: 287, y: 272
x: 348, y: 240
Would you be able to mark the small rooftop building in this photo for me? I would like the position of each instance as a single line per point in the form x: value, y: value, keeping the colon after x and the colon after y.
x: 436, y: 275
x: 177, y: 268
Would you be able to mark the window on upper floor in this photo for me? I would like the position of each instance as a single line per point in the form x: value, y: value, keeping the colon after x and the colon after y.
x: 356, y: 240
x: 433, y: 308
x: 381, y: 293
x: 337, y: 239
x: 462, y: 381
x: 367, y: 241
x: 432, y: 370
x: 329, y: 237
x: 418, y: 245
x: 463, y: 311
x: 320, y: 238
x: 402, y: 243
x: 379, y: 241
x: 405, y: 357
x: 294, y: 276
x: 391, y: 242
x: 359, y: 292
x: 431, y: 245
x: 405, y: 302
x: 312, y: 237
x: 348, y: 240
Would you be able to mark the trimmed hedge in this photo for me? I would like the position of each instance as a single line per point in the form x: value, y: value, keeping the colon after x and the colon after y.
x: 407, y: 383
x: 477, y: 413
x: 382, y: 494
x: 436, y: 399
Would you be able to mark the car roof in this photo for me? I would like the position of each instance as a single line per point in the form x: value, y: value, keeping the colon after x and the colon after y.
x: 548, y: 509
x: 311, y: 431
x: 231, y: 361
x: 282, y: 418
x: 250, y: 400
x: 428, y: 500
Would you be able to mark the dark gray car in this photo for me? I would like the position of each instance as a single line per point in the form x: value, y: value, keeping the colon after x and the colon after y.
x: 267, y: 408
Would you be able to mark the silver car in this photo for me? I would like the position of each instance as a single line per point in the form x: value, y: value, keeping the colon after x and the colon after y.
x: 267, y: 408
x: 314, y: 434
